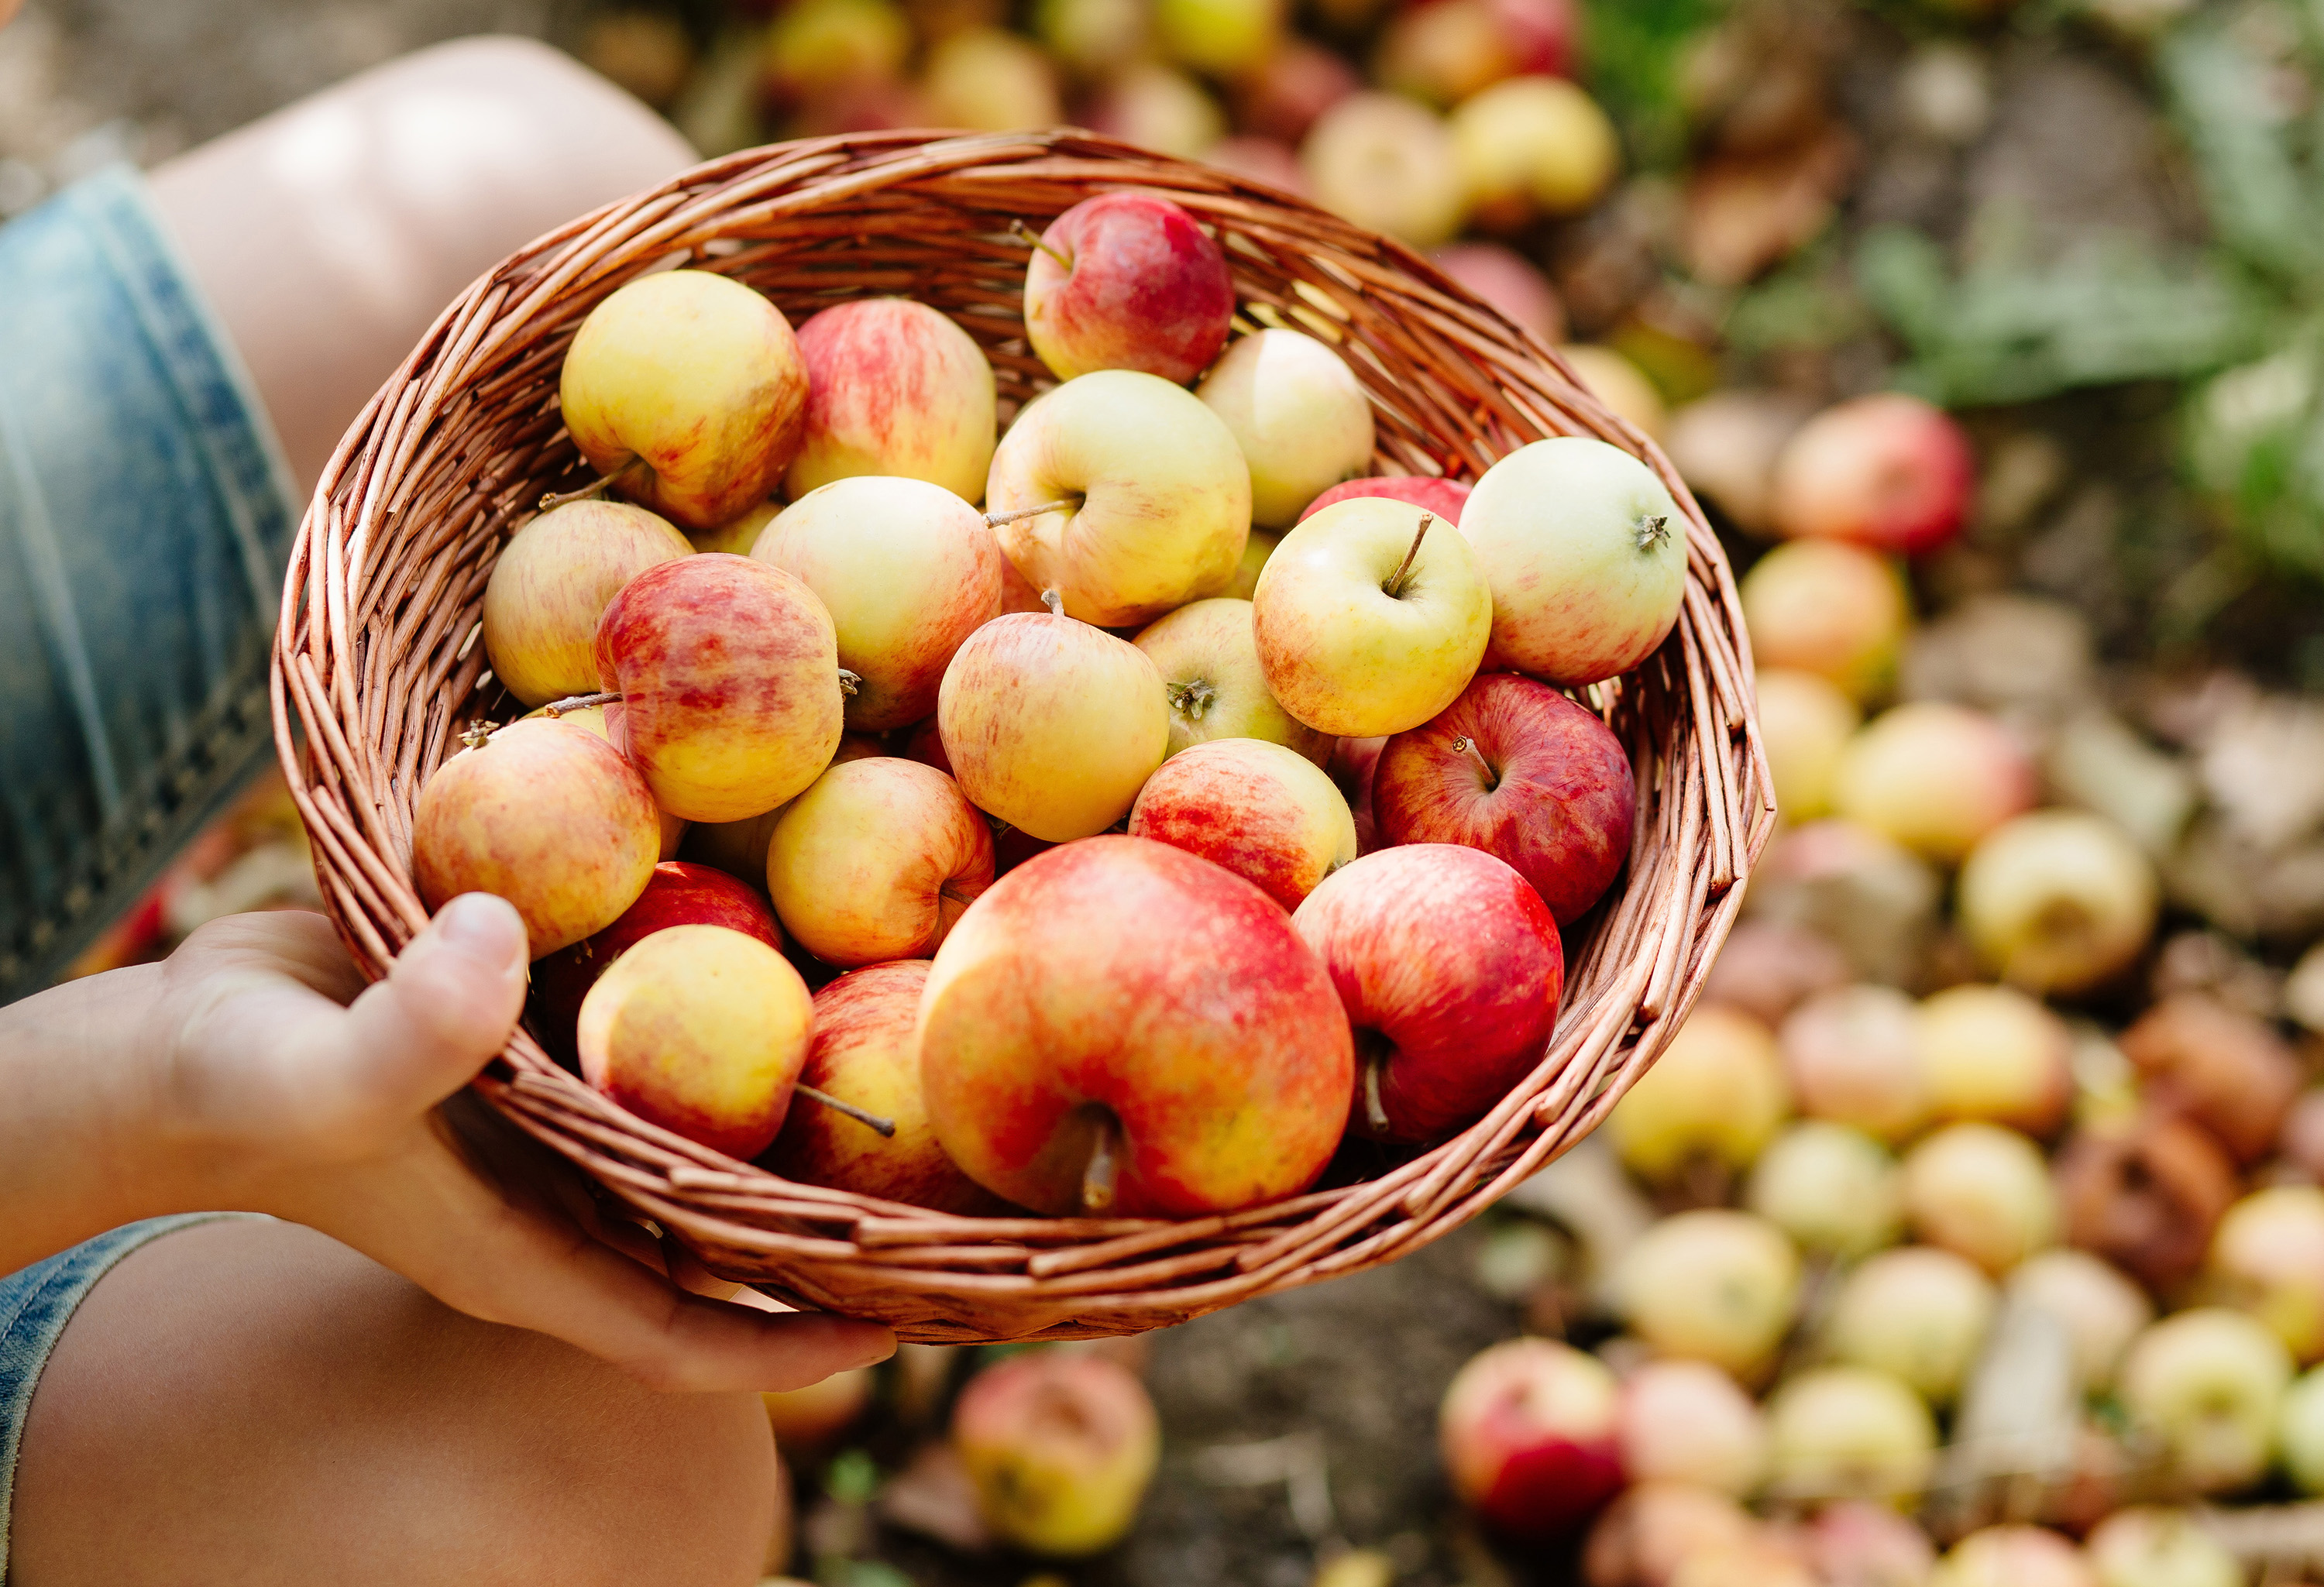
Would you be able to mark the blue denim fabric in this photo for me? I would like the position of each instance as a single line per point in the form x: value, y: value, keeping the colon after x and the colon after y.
x: 145, y: 521
x: 35, y: 1304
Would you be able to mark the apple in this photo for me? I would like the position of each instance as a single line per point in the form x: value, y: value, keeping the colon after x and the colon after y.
x: 1805, y: 722
x: 1725, y: 446
x: 1506, y: 282
x: 1158, y: 107
x: 2223, y: 1068
x: 1859, y: 1543
x: 1620, y: 386
x: 594, y: 719
x: 2301, y: 1432
x: 1586, y: 554
x: 678, y: 894
x: 1212, y: 681
x: 1769, y: 967
x: 1267, y: 813
x: 2013, y: 1557
x: 1533, y: 146
x: 2100, y: 1310
x: 1388, y: 165
x: 1867, y: 895
x: 1060, y: 1445
x: 1352, y: 765
x: 988, y: 79
x: 737, y: 535
x: 1849, y: 1433
x: 553, y: 579
x: 893, y: 388
x: 864, y: 1055
x: 1934, y: 776
x: 701, y: 1030
x: 2267, y: 1258
x: 1715, y: 1094
x: 739, y: 848
x: 1517, y: 770
x: 1443, y: 497
x: 2301, y: 1138
x: 1296, y: 83
x: 1527, y: 1428
x: 1993, y: 1053
x: 1300, y: 416
x: 1092, y: 37
x: 1710, y: 1285
x: 818, y: 45
x: 1982, y: 1192
x: 1834, y: 1190
x: 810, y: 1420
x: 1259, y: 160
x: 1127, y: 281
x: 2209, y: 1383
x: 1766, y: 1558
x: 545, y: 815
x: 1652, y: 1529
x: 1889, y: 472
x: 2146, y: 1194
x: 1919, y: 1313
x: 688, y: 388
x: 2148, y: 1547
x: 1366, y: 622
x: 876, y: 860
x: 907, y: 570
x: 1151, y: 497
x: 1052, y: 1092
x: 1051, y: 724
x: 2058, y: 902
x: 1442, y: 52
x: 1221, y: 38
x: 1450, y: 969
x: 1688, y: 1422
x: 1828, y: 608
x: 1851, y: 1057
x: 728, y: 672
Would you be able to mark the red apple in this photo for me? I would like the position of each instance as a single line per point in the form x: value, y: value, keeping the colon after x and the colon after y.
x: 1354, y: 761
x: 893, y: 388
x: 1450, y: 967
x: 1890, y: 472
x: 1443, y: 497
x: 1267, y: 813
x: 1528, y: 1433
x: 679, y: 894
x: 1127, y: 281
x: 1506, y: 281
x: 1517, y: 770
x: 1119, y: 1026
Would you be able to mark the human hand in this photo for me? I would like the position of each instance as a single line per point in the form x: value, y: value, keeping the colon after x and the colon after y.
x: 278, y: 1081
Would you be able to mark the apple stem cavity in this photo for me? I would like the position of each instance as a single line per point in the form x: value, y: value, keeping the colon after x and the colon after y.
x: 594, y: 488
x: 1652, y: 529
x: 1033, y: 239
x: 477, y: 734
x: 1468, y: 746
x: 556, y: 708
x: 869, y: 1121
x: 1393, y: 587
x: 850, y: 684
x: 995, y: 520
x: 1190, y: 700
x: 1104, y: 1166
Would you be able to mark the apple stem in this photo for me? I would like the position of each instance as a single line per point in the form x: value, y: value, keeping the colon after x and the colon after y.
x: 556, y: 708
x: 1468, y: 746
x: 995, y: 520
x: 594, y: 488
x: 1393, y: 587
x: 1104, y: 1166
x: 850, y: 683
x: 1032, y: 239
x: 477, y: 734
x: 869, y: 1121
x: 1652, y: 529
x: 1054, y: 602
x: 1375, y: 1114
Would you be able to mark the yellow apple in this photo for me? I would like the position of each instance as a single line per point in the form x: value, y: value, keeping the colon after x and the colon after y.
x: 551, y: 583
x: 1530, y: 146
x: 876, y: 860
x: 1388, y: 164
x: 988, y: 79
x: 1211, y: 678
x: 1298, y: 413
x: 737, y: 535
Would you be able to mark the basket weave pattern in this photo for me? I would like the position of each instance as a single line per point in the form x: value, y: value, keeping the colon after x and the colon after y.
x: 379, y: 659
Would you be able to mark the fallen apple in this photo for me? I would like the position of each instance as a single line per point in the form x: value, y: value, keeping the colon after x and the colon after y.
x: 2227, y: 1070
x: 2100, y: 1310
x: 1388, y: 165
x: 2267, y: 1258
x: 2145, y: 1546
x: 1851, y: 1057
x: 1934, y: 776
x: 2145, y: 1194
x: 1725, y: 446
x: 2058, y: 902
x: 1833, y: 609
x: 1833, y: 1189
x: 1918, y: 1313
x: 2013, y: 1557
x: 1982, y: 1192
x: 1061, y: 1447
x: 1716, y: 1096
x: 1267, y: 813
x: 1890, y: 471
x: 1710, y: 1285
x: 1991, y: 1053
x: 1684, y: 1421
x: 1527, y: 1429
x: 1509, y: 283
x: 1806, y: 723
x: 1532, y: 146
x: 2300, y: 1432
x: 1849, y: 1433
x: 2209, y: 1384
x: 1653, y: 1528
x: 1859, y: 1543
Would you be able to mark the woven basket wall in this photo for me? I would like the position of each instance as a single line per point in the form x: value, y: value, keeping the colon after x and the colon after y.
x: 379, y: 660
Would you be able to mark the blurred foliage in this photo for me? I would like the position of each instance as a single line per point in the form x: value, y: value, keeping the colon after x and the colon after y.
x: 1634, y: 56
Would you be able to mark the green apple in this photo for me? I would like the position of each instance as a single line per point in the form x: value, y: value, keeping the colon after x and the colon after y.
x: 1211, y: 675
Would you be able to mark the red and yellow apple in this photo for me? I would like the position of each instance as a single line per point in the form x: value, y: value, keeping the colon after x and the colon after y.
x: 1805, y: 722
x: 1266, y: 813
x: 1299, y: 415
x: 551, y: 583
x: 1209, y: 662
x: 739, y: 848
x: 1352, y: 765
x: 908, y: 571
x: 1829, y: 608
x: 729, y: 675
x: 597, y: 719
x: 1684, y: 1421
x: 1993, y: 1053
x: 1934, y: 776
x: 1852, y: 1057
x: 893, y: 388
x: 547, y: 816
x: 701, y: 1030
x: 1127, y: 281
x: 1080, y: 1050
x: 1060, y: 1446
x: 1653, y: 1528
x: 2267, y: 1258
x: 1449, y: 968
x: 1515, y: 768
x: 690, y: 387
x: 876, y: 860
x: 1716, y: 1095
x: 1527, y: 1428
x: 1281, y: 99
x: 1890, y: 472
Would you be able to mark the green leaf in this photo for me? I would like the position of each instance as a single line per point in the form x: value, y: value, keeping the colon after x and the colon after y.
x: 2262, y: 204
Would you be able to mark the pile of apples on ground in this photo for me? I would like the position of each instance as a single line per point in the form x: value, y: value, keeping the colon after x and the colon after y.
x: 1081, y: 790
x: 1965, y: 1255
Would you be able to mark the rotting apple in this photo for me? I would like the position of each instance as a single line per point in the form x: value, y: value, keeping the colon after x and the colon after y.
x: 2145, y: 1194
x: 2226, y: 1069
x: 1267, y: 813
x: 552, y: 582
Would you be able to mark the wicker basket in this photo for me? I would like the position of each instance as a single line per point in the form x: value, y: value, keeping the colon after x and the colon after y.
x: 378, y: 660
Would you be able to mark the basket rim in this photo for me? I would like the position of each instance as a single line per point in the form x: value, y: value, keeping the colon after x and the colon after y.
x: 941, y: 1277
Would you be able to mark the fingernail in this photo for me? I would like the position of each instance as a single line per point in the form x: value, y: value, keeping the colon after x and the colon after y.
x: 484, y: 925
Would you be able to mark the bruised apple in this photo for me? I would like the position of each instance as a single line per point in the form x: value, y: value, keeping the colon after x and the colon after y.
x: 877, y: 860
x: 700, y: 1030
x: 728, y: 672
x: 547, y: 816
x: 552, y: 582
x: 1266, y: 813
x: 864, y: 1055
x: 1119, y: 1027
x: 893, y: 388
x: 1517, y: 770
x: 1450, y: 967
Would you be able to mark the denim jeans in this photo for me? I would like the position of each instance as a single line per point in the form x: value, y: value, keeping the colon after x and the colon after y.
x: 145, y: 521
